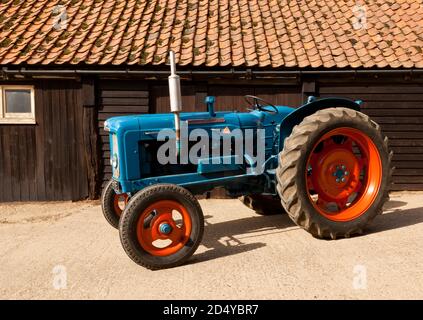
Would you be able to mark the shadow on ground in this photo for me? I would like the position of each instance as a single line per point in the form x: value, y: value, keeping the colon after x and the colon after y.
x: 397, y: 218
x: 226, y: 238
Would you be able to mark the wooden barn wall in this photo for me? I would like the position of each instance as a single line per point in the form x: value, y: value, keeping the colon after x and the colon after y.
x: 45, y: 161
x: 398, y: 108
x: 118, y: 98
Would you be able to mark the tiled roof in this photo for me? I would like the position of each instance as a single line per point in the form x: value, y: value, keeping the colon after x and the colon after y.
x: 261, y: 33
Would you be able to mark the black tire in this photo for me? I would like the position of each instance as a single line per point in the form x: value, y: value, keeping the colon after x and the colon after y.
x: 263, y: 205
x: 291, y: 182
x: 133, y: 211
x: 108, y: 205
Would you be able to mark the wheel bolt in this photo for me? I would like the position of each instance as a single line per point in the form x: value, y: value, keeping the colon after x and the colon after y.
x: 346, y: 173
x: 343, y: 179
x: 343, y: 167
x: 334, y: 174
x: 337, y: 180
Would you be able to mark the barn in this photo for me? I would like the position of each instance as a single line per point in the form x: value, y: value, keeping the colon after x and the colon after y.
x: 68, y: 65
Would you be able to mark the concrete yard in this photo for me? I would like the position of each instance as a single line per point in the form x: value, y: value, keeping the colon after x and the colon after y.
x: 67, y: 250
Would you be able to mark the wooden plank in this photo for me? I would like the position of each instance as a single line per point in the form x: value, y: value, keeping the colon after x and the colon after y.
x: 124, y: 109
x: 22, y: 148
x: 124, y: 101
x: 392, y: 105
x: 105, y: 116
x: 5, y: 165
x: 381, y: 97
x: 124, y: 85
x: 404, y: 134
x: 88, y: 91
x: 50, y: 134
x: 371, y: 89
x: 408, y: 179
x: 32, y: 161
x: 398, y: 120
x: 8, y: 163
x: 408, y: 164
x: 14, y: 161
x: 406, y: 142
x: 393, y: 112
x: 2, y: 171
x: 408, y: 157
x: 82, y: 178
x: 66, y: 107
x: 40, y: 101
x: 401, y: 127
x: 58, y: 147
x: 409, y: 172
x: 92, y: 152
x: 124, y: 94
x: 410, y: 150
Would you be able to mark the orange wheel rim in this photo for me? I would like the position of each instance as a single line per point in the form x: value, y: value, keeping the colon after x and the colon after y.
x: 164, y: 228
x: 117, y: 199
x: 344, y: 174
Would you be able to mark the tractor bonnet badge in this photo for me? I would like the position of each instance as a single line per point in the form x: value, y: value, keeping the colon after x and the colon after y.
x: 226, y: 130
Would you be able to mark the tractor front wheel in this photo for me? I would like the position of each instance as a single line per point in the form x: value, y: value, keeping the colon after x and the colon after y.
x: 334, y: 172
x: 113, y: 204
x: 161, y: 226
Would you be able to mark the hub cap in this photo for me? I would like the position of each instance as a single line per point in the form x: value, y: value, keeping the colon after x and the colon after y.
x: 344, y: 174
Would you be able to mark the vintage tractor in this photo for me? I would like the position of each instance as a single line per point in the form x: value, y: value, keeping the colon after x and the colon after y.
x: 325, y: 163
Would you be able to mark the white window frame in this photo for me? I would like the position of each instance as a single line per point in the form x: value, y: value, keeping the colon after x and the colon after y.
x: 17, y: 117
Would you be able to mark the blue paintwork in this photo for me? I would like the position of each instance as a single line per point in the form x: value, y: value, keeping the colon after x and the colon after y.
x: 130, y: 130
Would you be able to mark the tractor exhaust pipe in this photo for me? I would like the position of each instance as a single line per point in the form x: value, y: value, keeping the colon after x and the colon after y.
x: 175, y: 99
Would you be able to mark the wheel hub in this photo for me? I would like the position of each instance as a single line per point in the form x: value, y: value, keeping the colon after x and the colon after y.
x: 335, y: 172
x: 165, y: 228
x: 340, y: 173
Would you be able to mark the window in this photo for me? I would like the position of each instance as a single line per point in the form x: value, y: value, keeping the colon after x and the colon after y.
x: 17, y: 104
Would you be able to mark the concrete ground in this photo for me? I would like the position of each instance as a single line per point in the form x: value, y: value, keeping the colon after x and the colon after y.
x: 67, y: 251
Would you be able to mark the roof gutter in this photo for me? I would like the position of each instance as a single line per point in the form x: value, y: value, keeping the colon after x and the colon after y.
x: 248, y: 73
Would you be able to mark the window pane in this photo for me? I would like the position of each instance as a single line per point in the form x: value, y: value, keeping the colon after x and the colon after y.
x: 18, y: 100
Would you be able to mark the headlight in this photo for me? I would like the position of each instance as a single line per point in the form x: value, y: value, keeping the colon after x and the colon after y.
x: 114, y: 160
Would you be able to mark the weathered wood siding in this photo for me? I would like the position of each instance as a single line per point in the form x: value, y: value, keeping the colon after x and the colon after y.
x: 118, y: 98
x: 46, y: 161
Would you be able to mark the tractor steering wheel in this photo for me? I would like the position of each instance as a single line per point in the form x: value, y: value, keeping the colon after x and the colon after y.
x: 254, y: 101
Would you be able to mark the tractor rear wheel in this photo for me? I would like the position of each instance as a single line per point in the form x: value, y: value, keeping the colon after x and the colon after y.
x: 161, y: 226
x: 262, y: 204
x: 334, y: 173
x: 112, y: 204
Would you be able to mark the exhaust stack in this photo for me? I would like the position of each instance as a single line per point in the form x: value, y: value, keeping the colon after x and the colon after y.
x: 175, y: 99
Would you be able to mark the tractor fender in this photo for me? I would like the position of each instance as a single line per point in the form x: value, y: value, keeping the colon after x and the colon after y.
x: 307, y: 109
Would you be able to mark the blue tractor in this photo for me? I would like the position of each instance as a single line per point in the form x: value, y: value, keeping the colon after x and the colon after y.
x: 325, y: 164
